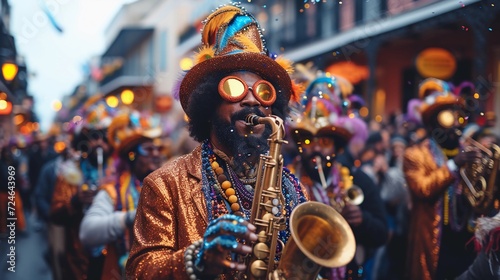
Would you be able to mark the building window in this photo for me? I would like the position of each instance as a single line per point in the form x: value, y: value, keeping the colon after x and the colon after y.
x: 163, y: 51
x: 358, y: 11
x: 383, y: 8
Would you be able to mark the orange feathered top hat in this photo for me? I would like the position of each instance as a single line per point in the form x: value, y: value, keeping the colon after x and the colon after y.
x: 232, y: 40
x: 436, y: 96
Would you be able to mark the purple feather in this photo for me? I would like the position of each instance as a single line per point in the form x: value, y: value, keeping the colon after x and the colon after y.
x: 177, y: 86
x: 413, y: 114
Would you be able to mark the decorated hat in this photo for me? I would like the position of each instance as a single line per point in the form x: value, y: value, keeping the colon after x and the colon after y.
x: 129, y: 129
x: 232, y: 40
x: 94, y: 114
x: 436, y: 95
x: 322, y: 110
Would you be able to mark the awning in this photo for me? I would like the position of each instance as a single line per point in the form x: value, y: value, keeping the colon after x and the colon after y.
x: 126, y: 40
x: 378, y: 27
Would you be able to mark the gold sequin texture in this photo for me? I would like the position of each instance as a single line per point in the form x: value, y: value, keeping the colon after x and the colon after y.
x: 427, y: 182
x: 171, y: 215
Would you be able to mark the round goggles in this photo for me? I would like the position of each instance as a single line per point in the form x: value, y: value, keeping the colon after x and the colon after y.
x: 234, y: 89
x: 448, y: 118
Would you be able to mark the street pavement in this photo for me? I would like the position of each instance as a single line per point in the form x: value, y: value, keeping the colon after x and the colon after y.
x: 29, y: 249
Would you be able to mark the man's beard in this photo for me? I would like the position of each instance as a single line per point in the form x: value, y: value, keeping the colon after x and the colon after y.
x: 310, y: 166
x: 446, y: 138
x: 245, y: 150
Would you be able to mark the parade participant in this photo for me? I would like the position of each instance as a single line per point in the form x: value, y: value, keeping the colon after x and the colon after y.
x: 486, y: 266
x: 439, y: 227
x: 321, y: 132
x: 44, y: 191
x: 191, y: 220
x: 76, y: 188
x: 136, y: 141
x: 10, y: 197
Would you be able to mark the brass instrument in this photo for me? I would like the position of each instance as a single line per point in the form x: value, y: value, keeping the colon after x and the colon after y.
x: 349, y: 193
x: 479, y: 176
x: 320, y: 237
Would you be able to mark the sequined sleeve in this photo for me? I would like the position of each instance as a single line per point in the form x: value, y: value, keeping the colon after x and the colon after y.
x: 153, y: 255
x: 167, y: 221
x: 425, y: 179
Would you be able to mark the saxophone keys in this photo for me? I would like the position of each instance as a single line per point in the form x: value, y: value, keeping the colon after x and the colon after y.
x: 258, y: 269
x: 261, y: 250
x: 262, y: 236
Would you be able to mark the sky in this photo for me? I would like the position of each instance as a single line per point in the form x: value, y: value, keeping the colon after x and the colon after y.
x: 55, y: 59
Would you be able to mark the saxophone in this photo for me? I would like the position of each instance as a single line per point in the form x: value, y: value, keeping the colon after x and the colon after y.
x: 320, y: 236
x: 479, y: 177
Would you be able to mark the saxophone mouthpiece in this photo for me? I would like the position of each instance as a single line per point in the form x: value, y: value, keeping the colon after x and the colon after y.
x: 252, y: 119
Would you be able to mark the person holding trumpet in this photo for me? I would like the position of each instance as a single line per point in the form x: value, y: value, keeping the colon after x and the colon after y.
x: 321, y: 131
x: 441, y: 218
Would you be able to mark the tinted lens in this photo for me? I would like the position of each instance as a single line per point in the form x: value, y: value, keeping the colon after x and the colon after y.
x: 233, y: 87
x: 264, y: 91
x: 446, y: 118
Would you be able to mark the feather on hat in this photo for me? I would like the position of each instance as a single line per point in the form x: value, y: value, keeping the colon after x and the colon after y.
x: 232, y: 41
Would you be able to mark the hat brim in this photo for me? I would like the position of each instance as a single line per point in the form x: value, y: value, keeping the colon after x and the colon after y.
x: 340, y: 135
x: 127, y: 144
x: 257, y: 63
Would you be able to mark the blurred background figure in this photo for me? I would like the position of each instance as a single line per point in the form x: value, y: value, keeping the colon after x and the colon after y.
x: 108, y: 222
x: 440, y: 225
x: 76, y: 187
x: 486, y: 266
x: 9, y: 191
x: 40, y: 152
x: 390, y: 259
x: 321, y: 132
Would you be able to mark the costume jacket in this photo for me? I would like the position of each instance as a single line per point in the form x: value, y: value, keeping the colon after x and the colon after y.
x: 172, y: 214
x: 67, y: 211
x: 427, y: 181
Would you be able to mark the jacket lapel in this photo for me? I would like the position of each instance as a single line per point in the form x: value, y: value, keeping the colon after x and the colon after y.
x: 197, y: 197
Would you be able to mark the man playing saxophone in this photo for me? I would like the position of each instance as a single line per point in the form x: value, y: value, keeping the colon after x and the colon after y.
x: 192, y: 216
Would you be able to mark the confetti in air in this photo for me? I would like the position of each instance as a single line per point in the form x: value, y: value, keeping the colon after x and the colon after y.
x: 51, y: 18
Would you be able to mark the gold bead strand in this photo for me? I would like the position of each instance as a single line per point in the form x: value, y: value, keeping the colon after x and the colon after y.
x: 227, y: 189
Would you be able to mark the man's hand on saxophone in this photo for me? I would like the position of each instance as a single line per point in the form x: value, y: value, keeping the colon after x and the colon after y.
x: 224, y: 238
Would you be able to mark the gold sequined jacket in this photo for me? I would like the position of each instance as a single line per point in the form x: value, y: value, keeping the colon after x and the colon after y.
x: 427, y: 182
x: 171, y: 215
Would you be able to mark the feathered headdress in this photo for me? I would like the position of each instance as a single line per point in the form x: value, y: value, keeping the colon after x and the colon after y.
x: 322, y: 110
x: 232, y: 41
x: 436, y: 95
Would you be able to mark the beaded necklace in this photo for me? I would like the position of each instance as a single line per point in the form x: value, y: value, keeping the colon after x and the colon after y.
x: 220, y: 187
x: 449, y: 204
x: 218, y: 206
x: 243, y: 192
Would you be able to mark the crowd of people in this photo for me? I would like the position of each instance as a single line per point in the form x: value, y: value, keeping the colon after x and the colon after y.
x: 116, y: 204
